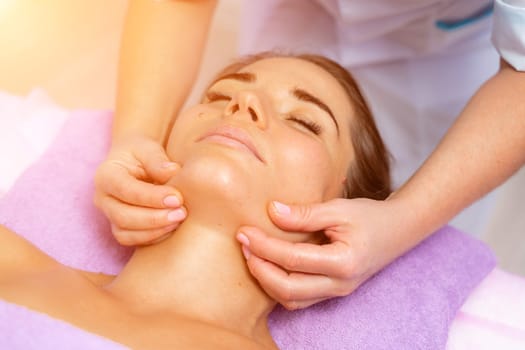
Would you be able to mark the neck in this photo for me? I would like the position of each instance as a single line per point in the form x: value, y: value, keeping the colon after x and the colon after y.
x: 200, y: 273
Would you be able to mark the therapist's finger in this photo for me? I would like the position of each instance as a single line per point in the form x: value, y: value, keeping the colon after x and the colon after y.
x: 117, y: 182
x: 333, y: 259
x: 293, y: 290
x: 308, y: 217
x: 132, y: 217
x: 142, y: 237
x: 301, y: 304
x: 156, y: 163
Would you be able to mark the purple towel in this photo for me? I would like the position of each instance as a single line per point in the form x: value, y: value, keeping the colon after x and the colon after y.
x: 409, y: 305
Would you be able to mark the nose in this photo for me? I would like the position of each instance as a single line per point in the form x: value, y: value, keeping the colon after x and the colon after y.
x: 249, y: 105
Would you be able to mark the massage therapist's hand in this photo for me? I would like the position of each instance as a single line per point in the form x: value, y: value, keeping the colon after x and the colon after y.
x: 363, y: 239
x: 130, y: 191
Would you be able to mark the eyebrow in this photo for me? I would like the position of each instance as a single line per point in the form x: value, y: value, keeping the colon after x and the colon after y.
x: 245, y: 77
x: 307, y: 97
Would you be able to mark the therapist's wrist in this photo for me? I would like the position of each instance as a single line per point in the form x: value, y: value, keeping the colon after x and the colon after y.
x: 127, y: 127
x: 411, y: 218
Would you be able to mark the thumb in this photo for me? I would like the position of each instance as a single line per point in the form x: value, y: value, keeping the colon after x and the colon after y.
x: 304, y: 217
x: 156, y: 162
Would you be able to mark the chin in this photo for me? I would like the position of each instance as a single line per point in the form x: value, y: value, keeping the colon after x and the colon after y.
x: 212, y: 183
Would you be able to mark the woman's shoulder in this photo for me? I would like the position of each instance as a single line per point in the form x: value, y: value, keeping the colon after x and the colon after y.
x: 31, y: 278
x: 18, y: 256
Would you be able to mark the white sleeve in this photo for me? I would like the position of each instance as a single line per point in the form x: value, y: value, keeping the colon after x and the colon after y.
x: 508, y: 33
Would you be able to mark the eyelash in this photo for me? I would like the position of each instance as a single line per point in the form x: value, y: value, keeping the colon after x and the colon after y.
x: 311, y: 126
x: 214, y: 96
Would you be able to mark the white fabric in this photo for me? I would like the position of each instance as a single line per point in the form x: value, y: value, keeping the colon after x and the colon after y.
x: 509, y: 31
x: 363, y: 32
x: 416, y: 74
x: 493, y: 316
x: 27, y: 126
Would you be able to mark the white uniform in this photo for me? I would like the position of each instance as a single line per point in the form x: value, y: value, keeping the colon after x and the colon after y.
x: 417, y: 61
x: 508, y: 35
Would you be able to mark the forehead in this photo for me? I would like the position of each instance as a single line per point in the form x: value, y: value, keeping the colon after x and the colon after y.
x: 289, y: 72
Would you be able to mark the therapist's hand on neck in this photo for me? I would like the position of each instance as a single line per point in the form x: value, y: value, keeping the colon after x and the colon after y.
x: 130, y: 190
x: 363, y: 234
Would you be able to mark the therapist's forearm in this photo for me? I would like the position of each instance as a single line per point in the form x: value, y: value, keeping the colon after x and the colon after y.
x: 160, y: 55
x: 483, y: 148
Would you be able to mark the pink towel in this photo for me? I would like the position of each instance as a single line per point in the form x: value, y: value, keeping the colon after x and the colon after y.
x: 409, y: 305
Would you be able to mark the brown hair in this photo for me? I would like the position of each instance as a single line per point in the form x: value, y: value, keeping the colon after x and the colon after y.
x: 369, y: 173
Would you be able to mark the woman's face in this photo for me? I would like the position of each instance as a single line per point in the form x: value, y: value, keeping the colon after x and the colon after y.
x: 276, y: 130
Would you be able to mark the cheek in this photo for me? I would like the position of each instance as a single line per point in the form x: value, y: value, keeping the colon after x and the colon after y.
x: 305, y: 170
x: 182, y: 135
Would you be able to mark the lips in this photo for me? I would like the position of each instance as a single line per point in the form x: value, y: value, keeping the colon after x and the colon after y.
x: 233, y: 137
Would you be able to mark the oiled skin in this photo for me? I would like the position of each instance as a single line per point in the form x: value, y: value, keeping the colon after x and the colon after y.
x: 33, y: 279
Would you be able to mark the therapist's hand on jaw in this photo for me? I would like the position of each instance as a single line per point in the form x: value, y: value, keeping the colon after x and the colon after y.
x: 130, y: 190
x: 155, y: 76
x: 363, y: 239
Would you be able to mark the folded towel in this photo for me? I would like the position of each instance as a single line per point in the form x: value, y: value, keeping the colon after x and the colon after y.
x: 51, y: 203
x: 408, y: 305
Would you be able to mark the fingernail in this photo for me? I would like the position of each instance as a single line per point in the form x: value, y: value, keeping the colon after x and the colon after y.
x: 245, y: 252
x: 171, y: 201
x: 281, y: 208
x: 168, y: 165
x: 241, y: 237
x: 176, y: 215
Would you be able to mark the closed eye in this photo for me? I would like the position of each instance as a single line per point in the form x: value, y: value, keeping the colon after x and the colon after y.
x: 216, y: 96
x: 311, y: 126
